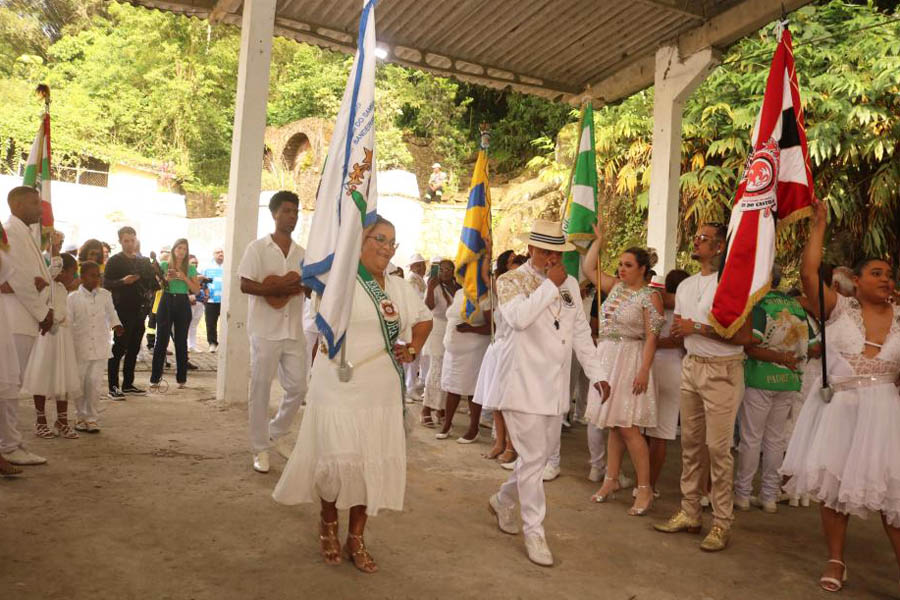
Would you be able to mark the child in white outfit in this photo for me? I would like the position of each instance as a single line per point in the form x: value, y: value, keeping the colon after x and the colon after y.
x: 52, y: 370
x: 93, y: 315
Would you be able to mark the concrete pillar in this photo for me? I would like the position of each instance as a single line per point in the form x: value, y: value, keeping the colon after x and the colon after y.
x: 242, y: 211
x: 674, y: 80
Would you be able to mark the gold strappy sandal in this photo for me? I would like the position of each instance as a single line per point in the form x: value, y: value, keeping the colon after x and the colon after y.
x: 328, y: 540
x: 360, y: 557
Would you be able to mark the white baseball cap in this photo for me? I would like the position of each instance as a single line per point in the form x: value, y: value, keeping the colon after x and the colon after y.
x: 415, y: 258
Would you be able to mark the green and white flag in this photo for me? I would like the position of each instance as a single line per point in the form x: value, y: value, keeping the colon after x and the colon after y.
x: 37, y: 171
x: 581, y: 207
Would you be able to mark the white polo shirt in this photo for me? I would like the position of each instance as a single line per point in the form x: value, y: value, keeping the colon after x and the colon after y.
x: 262, y: 258
x: 693, y: 301
x: 93, y: 317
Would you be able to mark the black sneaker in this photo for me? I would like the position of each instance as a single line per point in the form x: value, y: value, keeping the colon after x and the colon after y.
x: 130, y: 390
x: 116, y: 394
x: 191, y: 366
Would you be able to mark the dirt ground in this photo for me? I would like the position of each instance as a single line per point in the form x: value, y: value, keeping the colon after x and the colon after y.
x: 163, y: 504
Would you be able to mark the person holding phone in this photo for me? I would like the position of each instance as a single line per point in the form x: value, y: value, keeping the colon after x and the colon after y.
x: 174, y: 309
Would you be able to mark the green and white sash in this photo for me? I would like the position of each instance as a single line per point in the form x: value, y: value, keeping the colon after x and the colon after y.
x: 388, y: 317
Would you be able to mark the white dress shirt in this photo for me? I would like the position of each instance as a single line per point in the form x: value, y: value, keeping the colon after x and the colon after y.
x: 536, y: 377
x: 693, y: 300
x: 93, y: 317
x: 262, y: 258
x: 26, y: 307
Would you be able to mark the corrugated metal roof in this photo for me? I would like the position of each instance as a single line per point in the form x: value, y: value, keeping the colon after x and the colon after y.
x: 554, y: 48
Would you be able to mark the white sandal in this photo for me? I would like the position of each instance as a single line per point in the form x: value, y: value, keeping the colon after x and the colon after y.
x: 63, y: 430
x: 42, y: 430
x: 831, y: 584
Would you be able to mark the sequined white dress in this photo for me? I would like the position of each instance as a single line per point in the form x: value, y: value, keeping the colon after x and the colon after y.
x: 622, y: 327
x: 846, y: 453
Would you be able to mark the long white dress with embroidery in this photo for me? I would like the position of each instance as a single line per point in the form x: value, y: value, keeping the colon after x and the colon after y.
x: 622, y: 330
x: 846, y: 453
x: 351, y: 448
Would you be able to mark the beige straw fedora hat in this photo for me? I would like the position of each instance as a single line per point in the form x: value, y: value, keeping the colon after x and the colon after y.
x: 547, y: 235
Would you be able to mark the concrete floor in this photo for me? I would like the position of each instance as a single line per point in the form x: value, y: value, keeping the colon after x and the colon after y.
x: 163, y: 504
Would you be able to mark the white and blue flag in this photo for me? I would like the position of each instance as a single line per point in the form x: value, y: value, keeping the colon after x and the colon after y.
x: 347, y: 195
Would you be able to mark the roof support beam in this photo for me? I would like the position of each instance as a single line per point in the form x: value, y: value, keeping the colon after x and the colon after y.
x: 674, y: 81
x: 718, y: 32
x: 244, y: 182
x: 674, y: 6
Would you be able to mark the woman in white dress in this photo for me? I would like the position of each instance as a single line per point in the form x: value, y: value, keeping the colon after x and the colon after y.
x: 490, y: 376
x: 846, y: 453
x: 438, y: 297
x: 9, y: 360
x: 351, y: 449
x: 630, y: 320
x: 52, y: 369
x: 464, y: 348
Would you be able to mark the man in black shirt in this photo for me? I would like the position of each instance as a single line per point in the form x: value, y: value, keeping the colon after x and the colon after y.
x: 131, y: 280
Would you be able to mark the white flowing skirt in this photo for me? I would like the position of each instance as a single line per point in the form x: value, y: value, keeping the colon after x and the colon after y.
x: 485, y: 388
x: 351, y: 448
x: 846, y: 454
x: 52, y: 368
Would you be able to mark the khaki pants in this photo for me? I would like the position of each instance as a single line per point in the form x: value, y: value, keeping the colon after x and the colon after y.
x: 711, y: 392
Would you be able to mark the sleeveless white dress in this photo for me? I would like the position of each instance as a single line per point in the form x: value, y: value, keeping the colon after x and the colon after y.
x: 52, y: 369
x: 463, y: 352
x: 846, y: 453
x: 351, y: 448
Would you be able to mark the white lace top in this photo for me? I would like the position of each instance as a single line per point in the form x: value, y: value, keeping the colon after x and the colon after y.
x: 847, y: 336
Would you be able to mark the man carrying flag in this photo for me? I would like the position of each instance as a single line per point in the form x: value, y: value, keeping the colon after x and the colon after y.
x: 711, y: 312
x: 581, y: 210
x: 351, y: 449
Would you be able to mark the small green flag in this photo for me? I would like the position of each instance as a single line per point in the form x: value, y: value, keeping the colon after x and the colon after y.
x: 581, y: 209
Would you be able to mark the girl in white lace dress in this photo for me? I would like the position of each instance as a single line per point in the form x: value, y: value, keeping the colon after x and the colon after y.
x: 846, y: 453
x: 630, y: 320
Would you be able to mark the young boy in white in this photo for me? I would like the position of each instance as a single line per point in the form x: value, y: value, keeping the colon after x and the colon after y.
x: 277, y: 343
x: 93, y: 315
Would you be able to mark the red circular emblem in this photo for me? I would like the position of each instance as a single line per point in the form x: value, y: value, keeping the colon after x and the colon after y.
x: 760, y: 174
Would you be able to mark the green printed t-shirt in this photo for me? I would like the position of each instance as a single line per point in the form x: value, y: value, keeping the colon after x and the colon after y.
x: 178, y: 287
x: 779, y: 324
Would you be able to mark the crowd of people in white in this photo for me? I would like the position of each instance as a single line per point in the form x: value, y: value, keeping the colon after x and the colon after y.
x: 630, y: 355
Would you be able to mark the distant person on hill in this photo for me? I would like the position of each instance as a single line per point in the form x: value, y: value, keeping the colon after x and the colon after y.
x: 435, y: 191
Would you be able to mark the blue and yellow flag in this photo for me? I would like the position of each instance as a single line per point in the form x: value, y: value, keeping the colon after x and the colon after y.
x: 475, y: 232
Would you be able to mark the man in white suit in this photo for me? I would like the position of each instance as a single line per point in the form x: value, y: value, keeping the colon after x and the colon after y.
x: 26, y: 299
x: 542, y: 304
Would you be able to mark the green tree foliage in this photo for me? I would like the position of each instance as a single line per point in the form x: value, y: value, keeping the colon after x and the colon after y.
x: 849, y: 84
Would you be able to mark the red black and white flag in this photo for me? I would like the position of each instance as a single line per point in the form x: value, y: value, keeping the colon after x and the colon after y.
x: 776, y: 188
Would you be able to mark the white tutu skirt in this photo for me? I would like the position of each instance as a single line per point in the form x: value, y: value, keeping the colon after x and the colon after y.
x: 846, y: 454
x: 351, y: 448
x: 459, y: 373
x: 52, y: 369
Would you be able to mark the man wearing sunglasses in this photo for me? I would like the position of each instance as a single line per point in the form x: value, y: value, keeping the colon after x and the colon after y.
x: 712, y: 385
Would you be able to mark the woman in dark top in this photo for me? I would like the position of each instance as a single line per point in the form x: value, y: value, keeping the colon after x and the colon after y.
x: 174, y: 309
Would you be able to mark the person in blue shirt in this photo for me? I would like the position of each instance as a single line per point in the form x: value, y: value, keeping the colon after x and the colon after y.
x: 214, y: 302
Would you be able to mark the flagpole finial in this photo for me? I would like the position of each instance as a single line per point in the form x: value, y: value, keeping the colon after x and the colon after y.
x: 485, y: 132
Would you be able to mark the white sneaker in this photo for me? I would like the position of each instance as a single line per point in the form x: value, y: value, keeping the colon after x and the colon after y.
x: 509, y: 466
x: 625, y: 481
x: 261, y: 462
x: 704, y: 501
x: 21, y: 456
x: 538, y: 550
x: 596, y: 474
x: 213, y: 348
x: 767, y: 506
x: 566, y: 423
x: 506, y: 515
x: 741, y: 503
x: 550, y: 472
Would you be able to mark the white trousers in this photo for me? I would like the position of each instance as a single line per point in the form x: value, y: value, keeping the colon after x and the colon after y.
x: 534, y: 437
x: 287, y: 358
x: 89, y: 372
x: 196, y: 317
x: 597, y: 446
x: 10, y: 436
x: 578, y: 387
x: 762, y: 416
